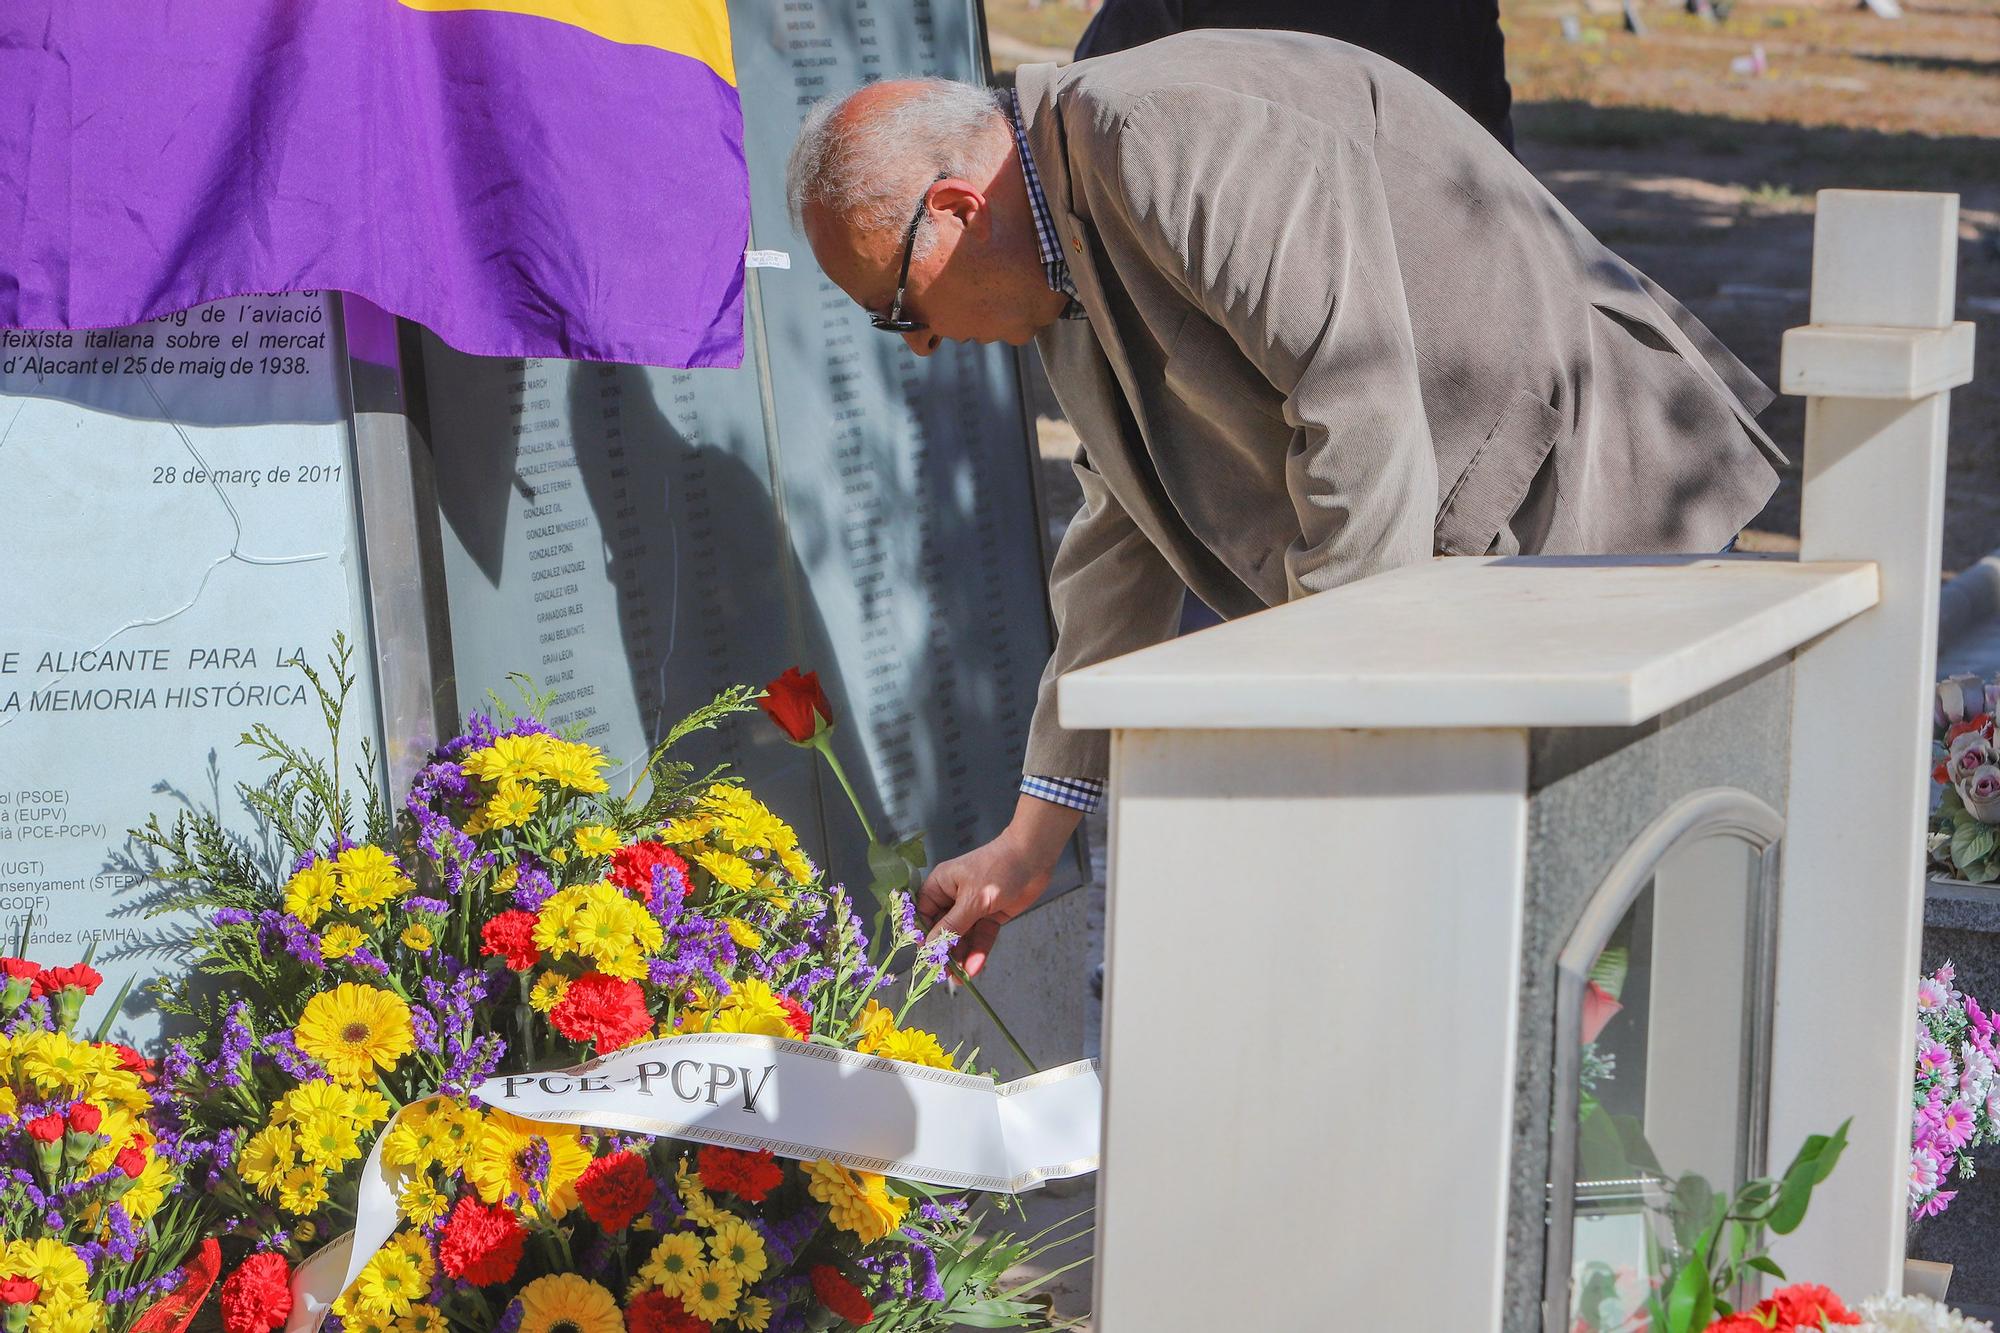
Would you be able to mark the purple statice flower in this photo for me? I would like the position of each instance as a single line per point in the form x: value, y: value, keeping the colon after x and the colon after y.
x: 908, y: 931
x: 511, y: 1317
x: 532, y: 887
x: 232, y: 1055
x: 369, y: 961
x: 424, y: 1027
x: 296, y: 1064
x: 281, y: 932
x: 697, y: 949
x: 435, y: 906
x: 784, y: 1237
x: 230, y: 916
x: 937, y: 953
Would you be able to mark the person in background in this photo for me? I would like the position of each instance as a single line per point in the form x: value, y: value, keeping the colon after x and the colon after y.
x: 1454, y: 45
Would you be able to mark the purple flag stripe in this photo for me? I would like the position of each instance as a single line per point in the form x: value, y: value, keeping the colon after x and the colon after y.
x: 520, y: 186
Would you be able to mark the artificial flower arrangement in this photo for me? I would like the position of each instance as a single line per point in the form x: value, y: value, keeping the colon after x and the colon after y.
x: 1805, y: 1308
x: 1964, y: 836
x: 94, y: 1234
x: 1955, y: 1100
x: 522, y: 916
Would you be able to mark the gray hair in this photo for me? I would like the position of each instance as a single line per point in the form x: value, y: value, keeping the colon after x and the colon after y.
x: 871, y: 171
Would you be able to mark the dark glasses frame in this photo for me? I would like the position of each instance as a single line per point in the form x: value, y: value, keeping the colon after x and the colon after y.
x: 893, y: 322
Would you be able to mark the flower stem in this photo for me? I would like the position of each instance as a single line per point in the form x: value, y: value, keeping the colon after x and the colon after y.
x: 958, y: 974
x: 824, y: 745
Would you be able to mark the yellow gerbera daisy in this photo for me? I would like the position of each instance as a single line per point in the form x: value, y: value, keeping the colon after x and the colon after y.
x: 857, y: 1201
x: 737, y: 1247
x: 712, y: 1292
x: 309, y: 893
x: 352, y: 1030
x: 673, y: 1262
x: 572, y: 1304
x: 596, y: 840
x: 497, y: 1163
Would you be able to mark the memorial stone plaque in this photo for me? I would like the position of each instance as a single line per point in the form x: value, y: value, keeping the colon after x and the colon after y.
x: 636, y: 538
x: 182, y: 528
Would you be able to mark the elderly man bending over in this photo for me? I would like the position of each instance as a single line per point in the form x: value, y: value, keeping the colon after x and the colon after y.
x: 1311, y: 323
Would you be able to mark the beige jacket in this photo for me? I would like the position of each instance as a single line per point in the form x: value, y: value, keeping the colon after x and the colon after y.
x: 1335, y: 328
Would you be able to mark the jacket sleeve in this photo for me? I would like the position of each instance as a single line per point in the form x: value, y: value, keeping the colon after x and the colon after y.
x: 1276, y: 228
x: 1113, y: 593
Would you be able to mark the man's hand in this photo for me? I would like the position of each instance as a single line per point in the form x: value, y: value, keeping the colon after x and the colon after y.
x: 973, y: 895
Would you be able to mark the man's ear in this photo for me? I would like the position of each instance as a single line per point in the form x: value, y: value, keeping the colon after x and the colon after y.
x: 964, y: 201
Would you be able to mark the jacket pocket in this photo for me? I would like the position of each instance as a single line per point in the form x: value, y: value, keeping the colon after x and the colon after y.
x: 1495, y: 482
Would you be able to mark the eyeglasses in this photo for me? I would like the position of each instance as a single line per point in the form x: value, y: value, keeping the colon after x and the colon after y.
x: 893, y: 322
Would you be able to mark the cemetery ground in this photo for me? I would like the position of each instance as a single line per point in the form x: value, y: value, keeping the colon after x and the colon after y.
x: 1702, y: 173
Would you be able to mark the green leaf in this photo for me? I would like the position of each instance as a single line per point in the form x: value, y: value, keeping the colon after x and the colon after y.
x: 889, y: 872
x: 1793, y: 1197
x: 1764, y: 1263
x: 1972, y: 841
x: 1690, y: 1301
x: 912, y: 850
x: 1610, y: 969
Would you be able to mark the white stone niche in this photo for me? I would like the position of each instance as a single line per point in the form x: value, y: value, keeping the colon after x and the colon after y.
x: 1366, y: 850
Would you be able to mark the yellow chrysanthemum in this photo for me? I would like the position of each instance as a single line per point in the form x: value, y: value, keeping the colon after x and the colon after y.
x: 10, y: 1103
x: 688, y: 830
x: 420, y: 1203
x: 872, y: 1027
x: 748, y: 1021
x: 302, y: 1191
x: 737, y: 1247
x: 914, y: 1046
x: 424, y: 1137
x: 857, y: 1201
x: 309, y: 894
x: 363, y: 1320
x: 672, y: 1264
x: 498, y: 1161
x: 549, y: 989
x: 422, y: 1319
x: 145, y: 1195
x: 57, y: 1063
x: 601, y: 922
x: 505, y: 881
x: 511, y: 758
x: 418, y: 1248
x: 53, y: 1266
x: 265, y: 1159
x: 369, y: 1105
x: 755, y: 1315
x: 314, y: 1098
x: 712, y: 1292
x: 744, y: 934
x: 511, y: 805
x: 341, y: 940
x: 392, y: 1282
x: 571, y: 1304
x: 730, y: 871
x: 418, y: 937
x: 369, y: 877
x: 596, y: 840
x: 78, y: 1314
x: 328, y: 1140
x: 353, y: 1030
x: 577, y: 766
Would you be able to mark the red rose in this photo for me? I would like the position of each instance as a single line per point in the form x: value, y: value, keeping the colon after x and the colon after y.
x: 257, y: 1297
x: 1804, y: 1304
x: 615, y: 1189
x: 46, y: 1128
x: 797, y: 1016
x: 654, y: 1311
x: 131, y: 1161
x: 481, y: 1243
x: 82, y: 976
x: 511, y: 935
x: 748, y: 1175
x: 173, y: 1312
x: 18, y: 1291
x: 798, y: 705
x: 839, y: 1295
x: 85, y: 1118
x: 632, y: 868
x: 610, y: 1011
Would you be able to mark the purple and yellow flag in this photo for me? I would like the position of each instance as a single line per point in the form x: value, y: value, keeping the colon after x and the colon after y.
x: 525, y: 177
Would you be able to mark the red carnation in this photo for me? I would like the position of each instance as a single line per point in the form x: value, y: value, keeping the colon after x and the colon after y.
x: 633, y: 867
x: 748, y: 1175
x: 1805, y: 1305
x: 131, y: 1161
x: 610, y: 1011
x: 20, y: 969
x: 1737, y: 1323
x: 257, y: 1297
x: 19, y: 1291
x: 481, y: 1243
x: 615, y: 1189
x: 81, y: 976
x: 511, y: 935
x: 653, y: 1311
x: 797, y: 1016
x: 85, y: 1118
x: 839, y: 1295
x: 132, y: 1062
x: 46, y: 1128
x: 798, y: 705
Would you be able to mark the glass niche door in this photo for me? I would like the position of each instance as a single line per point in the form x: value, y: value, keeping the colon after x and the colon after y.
x: 1663, y: 1018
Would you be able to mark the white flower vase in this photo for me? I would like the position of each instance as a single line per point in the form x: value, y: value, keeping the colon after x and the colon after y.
x: 1921, y: 1277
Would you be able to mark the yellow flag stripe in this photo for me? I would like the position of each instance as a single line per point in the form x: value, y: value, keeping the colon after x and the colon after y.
x: 696, y: 28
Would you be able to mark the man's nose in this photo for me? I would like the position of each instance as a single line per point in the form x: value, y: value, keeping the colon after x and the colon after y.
x: 923, y: 342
